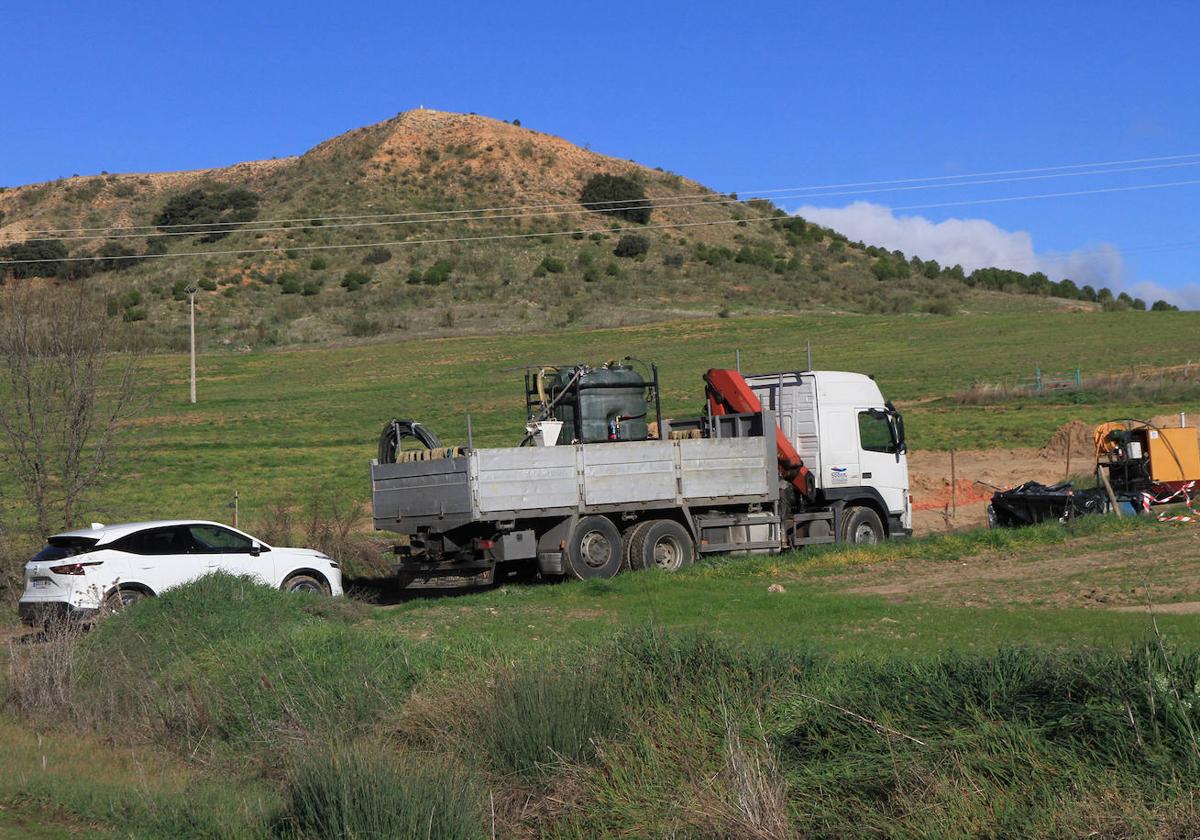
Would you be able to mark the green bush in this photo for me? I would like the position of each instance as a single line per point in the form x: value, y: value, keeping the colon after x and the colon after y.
x: 674, y: 260
x: 289, y: 285
x: 44, y: 249
x: 553, y: 265
x: 435, y: 275
x: 113, y: 256
x: 377, y: 256
x: 318, y: 264
x: 354, y: 280
x: 631, y: 245
x: 756, y: 255
x: 616, y: 195
x: 134, y: 313
x: 360, y: 791
x: 210, y: 210
x: 208, y: 284
x: 311, y: 288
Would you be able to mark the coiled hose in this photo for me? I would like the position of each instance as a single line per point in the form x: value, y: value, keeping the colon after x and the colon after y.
x: 393, y: 434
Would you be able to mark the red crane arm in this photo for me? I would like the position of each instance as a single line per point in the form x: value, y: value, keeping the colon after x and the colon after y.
x: 729, y: 393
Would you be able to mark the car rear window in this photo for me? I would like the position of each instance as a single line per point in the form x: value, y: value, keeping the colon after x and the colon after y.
x: 59, y: 548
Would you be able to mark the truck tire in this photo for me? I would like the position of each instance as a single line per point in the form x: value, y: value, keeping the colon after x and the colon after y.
x: 594, y: 550
x: 861, y: 526
x: 663, y: 544
x: 627, y: 539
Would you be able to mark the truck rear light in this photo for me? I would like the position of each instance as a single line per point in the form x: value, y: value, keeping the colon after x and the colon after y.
x: 484, y: 545
x: 73, y: 568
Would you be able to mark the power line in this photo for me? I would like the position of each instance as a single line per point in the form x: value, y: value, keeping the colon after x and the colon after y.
x: 958, y: 180
x: 666, y: 202
x: 508, y: 236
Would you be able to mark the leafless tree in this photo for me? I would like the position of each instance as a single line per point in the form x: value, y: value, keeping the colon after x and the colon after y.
x: 63, y: 395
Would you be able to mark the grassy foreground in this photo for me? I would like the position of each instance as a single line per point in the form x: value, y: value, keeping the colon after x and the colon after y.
x: 291, y: 424
x: 696, y: 705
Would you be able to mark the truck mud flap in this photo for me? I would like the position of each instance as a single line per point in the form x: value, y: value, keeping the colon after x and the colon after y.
x: 550, y: 562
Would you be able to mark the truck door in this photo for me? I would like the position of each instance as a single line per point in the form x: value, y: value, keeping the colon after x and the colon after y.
x: 882, y: 462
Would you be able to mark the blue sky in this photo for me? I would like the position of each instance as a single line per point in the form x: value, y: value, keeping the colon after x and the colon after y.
x: 739, y: 96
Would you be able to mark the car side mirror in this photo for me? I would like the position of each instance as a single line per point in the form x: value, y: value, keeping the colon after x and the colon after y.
x: 255, y: 549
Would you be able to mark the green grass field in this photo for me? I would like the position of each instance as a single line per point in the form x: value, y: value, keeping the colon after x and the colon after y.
x: 294, y: 424
x: 699, y: 704
x: 966, y: 684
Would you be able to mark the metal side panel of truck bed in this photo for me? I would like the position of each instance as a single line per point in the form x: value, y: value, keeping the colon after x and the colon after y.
x: 498, y: 484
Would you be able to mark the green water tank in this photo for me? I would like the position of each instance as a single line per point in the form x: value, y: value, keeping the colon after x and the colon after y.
x: 603, y: 404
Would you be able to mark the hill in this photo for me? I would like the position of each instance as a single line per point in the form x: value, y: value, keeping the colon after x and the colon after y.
x: 366, y: 234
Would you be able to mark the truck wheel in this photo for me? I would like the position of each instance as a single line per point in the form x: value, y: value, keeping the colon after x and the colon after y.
x: 627, y: 540
x: 861, y: 526
x: 595, y: 549
x: 663, y: 544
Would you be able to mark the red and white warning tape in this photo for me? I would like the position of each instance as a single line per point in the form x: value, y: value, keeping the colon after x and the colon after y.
x: 1184, y: 492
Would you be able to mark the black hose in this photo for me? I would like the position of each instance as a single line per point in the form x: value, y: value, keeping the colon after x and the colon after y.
x: 394, y: 432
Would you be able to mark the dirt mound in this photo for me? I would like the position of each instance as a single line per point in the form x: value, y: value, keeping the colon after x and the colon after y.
x: 1075, y: 436
x: 1171, y: 421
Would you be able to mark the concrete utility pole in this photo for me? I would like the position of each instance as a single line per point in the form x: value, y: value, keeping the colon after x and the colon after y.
x: 191, y: 290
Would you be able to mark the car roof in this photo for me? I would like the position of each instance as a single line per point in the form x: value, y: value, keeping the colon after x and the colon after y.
x: 107, y: 533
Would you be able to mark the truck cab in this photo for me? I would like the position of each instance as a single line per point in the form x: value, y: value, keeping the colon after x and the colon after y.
x: 852, y: 441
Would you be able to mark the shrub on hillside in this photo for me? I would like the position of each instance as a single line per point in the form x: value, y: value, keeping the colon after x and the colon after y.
x: 553, y: 265
x: 135, y: 313
x: 113, y: 256
x: 435, y: 275
x: 318, y: 264
x: 617, y: 195
x: 377, y: 256
x: 631, y: 245
x: 354, y: 280
x: 44, y: 256
x: 211, y: 210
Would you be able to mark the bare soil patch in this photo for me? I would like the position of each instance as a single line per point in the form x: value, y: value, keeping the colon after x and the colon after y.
x: 1158, y: 567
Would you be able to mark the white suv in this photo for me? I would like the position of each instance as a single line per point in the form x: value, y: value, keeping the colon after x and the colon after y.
x: 107, y: 567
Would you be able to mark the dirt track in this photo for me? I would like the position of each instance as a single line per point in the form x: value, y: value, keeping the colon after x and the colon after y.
x: 1158, y: 568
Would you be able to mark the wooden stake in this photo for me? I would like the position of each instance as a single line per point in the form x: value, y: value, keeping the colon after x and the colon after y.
x: 1112, y: 497
x: 953, y: 487
x: 1068, y: 475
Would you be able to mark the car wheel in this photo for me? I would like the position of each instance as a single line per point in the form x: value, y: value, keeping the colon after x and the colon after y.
x: 305, y: 583
x: 119, y: 599
x: 663, y: 544
x: 861, y: 526
x: 595, y: 549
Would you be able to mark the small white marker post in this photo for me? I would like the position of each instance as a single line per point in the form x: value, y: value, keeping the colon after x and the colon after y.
x: 191, y: 290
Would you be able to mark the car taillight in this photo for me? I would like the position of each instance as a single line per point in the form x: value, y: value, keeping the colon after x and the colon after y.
x: 484, y: 545
x: 73, y: 568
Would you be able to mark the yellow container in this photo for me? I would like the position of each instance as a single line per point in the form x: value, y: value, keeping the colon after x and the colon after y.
x: 1174, y: 454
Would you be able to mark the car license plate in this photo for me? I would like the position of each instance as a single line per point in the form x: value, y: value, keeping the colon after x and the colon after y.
x: 41, y: 583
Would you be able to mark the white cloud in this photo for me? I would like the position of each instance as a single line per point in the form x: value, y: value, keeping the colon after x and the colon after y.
x: 977, y: 243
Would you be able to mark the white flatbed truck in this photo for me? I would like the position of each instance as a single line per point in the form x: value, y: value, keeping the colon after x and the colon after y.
x: 718, y: 483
